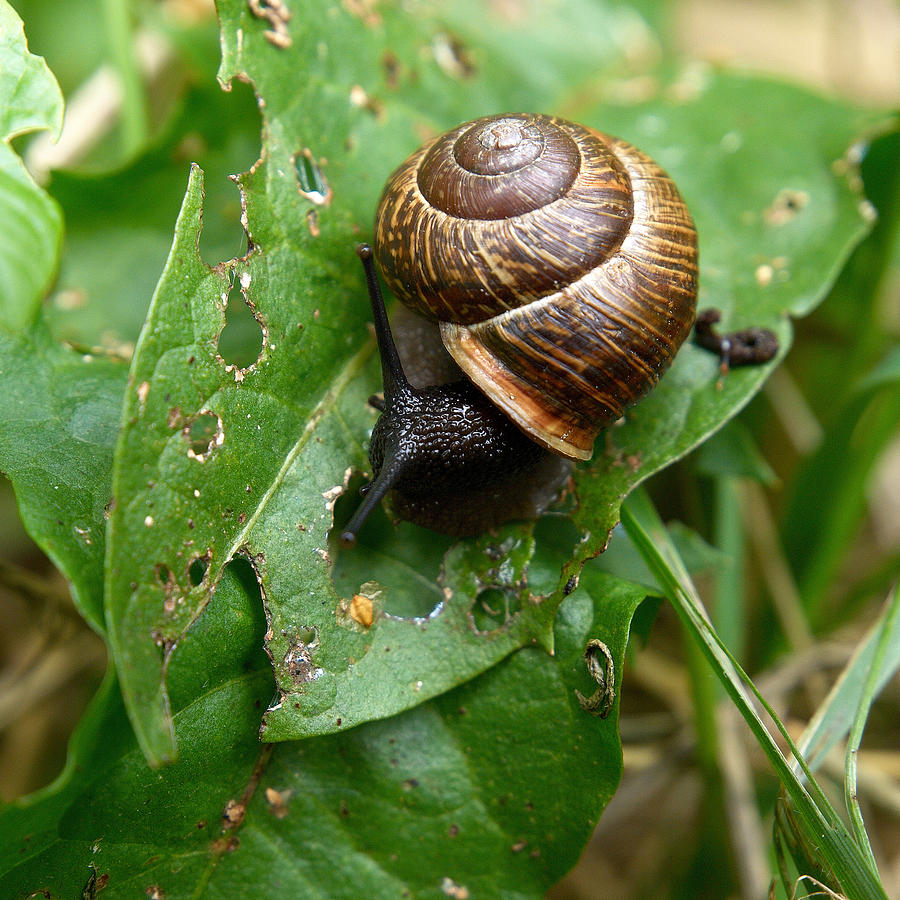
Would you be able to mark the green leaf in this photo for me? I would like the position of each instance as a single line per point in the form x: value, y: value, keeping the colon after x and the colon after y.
x: 448, y: 793
x: 58, y: 409
x: 215, y: 460
x: 29, y: 220
x: 883, y: 665
x: 182, y: 377
x: 31, y: 96
x: 59, y: 413
x: 308, y: 449
x: 732, y: 451
x: 760, y: 258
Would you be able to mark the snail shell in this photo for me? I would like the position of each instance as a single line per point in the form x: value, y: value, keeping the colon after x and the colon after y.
x: 561, y: 264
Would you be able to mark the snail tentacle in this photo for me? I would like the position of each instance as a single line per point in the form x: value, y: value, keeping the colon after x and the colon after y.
x: 392, y: 375
x: 395, y: 385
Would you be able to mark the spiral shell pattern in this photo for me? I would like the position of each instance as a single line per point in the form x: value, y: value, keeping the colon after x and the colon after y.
x: 560, y: 262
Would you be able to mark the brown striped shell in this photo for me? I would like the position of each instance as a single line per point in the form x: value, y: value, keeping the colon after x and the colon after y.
x: 560, y: 262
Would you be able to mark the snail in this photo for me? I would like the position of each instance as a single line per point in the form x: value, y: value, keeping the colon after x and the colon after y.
x: 561, y: 267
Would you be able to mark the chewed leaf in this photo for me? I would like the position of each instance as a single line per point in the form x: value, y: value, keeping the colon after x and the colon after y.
x: 150, y: 592
x: 374, y: 807
x: 258, y: 457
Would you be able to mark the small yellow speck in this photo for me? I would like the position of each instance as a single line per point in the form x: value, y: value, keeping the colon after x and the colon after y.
x: 361, y: 610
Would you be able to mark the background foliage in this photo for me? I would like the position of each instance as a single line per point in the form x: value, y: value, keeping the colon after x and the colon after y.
x: 244, y: 409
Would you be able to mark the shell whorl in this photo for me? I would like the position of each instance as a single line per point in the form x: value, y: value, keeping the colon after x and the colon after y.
x: 560, y: 262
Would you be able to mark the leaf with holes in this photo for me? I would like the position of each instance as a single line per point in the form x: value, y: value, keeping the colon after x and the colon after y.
x: 446, y: 794
x: 217, y: 460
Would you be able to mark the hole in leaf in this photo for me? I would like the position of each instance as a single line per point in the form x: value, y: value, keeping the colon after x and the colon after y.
x: 405, y: 559
x: 453, y: 56
x: 306, y: 635
x: 222, y: 235
x: 165, y: 577
x: 494, y: 607
x: 310, y: 179
x: 390, y: 66
x: 240, y: 341
x: 248, y: 577
x: 197, y: 569
x: 299, y: 661
x: 203, y: 433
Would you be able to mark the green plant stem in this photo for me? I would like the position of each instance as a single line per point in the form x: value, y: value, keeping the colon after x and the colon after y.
x: 120, y: 35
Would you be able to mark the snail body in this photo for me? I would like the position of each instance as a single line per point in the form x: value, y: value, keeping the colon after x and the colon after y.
x: 561, y: 267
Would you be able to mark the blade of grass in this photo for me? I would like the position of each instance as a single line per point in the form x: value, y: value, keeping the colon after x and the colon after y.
x: 835, y: 715
x: 887, y: 625
x: 813, y: 809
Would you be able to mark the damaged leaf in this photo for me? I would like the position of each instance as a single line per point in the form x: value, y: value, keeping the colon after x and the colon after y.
x: 217, y: 461
x: 387, y: 809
